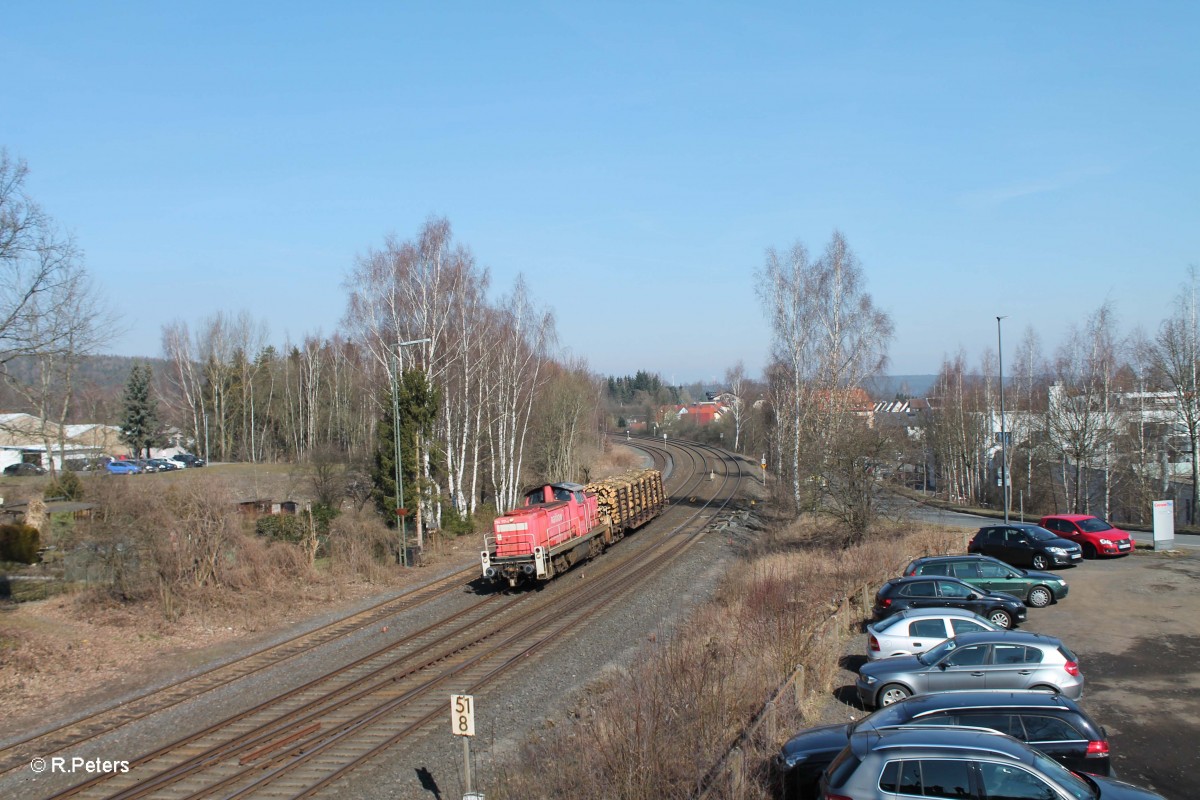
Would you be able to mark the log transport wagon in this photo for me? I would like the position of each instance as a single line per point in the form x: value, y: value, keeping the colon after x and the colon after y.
x: 562, y: 524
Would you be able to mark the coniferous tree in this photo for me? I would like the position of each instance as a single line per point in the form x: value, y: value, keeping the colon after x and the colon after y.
x: 139, y: 423
x: 417, y: 406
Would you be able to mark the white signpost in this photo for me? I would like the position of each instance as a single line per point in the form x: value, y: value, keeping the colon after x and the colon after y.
x: 1164, y: 524
x: 462, y: 723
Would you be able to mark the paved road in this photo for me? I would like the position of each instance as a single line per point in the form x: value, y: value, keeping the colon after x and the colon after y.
x: 939, y: 516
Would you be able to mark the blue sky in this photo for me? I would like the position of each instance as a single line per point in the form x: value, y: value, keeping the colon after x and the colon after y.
x: 633, y: 160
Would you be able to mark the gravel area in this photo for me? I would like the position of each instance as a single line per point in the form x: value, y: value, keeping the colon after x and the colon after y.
x: 541, y: 695
x: 1134, y: 622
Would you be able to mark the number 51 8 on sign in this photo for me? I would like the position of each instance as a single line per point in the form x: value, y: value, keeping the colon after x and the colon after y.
x: 462, y: 714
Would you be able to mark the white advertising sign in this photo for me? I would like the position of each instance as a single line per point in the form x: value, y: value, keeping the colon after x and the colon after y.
x: 1164, y: 524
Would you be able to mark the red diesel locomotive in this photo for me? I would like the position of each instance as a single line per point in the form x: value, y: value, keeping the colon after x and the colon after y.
x: 562, y: 524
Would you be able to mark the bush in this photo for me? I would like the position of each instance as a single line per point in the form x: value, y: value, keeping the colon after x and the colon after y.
x: 19, y: 543
x: 456, y: 524
x: 282, y: 527
x: 361, y: 547
x: 66, y: 485
x: 322, y: 516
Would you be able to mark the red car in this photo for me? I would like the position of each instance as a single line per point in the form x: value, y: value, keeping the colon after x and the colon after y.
x: 1094, y: 535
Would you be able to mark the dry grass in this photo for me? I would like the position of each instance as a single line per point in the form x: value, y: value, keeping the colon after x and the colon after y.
x: 613, y: 461
x: 176, y: 576
x: 658, y: 728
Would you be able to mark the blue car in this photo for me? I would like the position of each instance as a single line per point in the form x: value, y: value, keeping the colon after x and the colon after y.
x: 122, y: 468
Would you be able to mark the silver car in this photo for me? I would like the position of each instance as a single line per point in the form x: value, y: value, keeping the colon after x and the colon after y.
x: 987, y: 660
x: 915, y: 630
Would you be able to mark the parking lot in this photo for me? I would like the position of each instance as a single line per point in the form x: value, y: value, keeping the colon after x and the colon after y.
x: 1134, y: 622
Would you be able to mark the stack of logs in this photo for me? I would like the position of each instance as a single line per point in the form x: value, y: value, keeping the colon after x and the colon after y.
x: 630, y: 498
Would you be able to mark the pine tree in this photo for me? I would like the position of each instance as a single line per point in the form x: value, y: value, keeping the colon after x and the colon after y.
x: 139, y: 425
x: 417, y: 404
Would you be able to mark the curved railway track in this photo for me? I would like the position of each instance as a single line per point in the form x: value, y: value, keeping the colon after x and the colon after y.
x: 18, y: 754
x: 302, y: 740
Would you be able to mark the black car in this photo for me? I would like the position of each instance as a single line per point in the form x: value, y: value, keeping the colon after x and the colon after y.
x: 188, y: 460
x: 1052, y: 723
x: 1003, y: 610
x: 1025, y: 544
x: 24, y: 468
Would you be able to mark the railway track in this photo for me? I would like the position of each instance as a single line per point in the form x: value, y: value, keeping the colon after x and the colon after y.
x: 18, y: 754
x: 301, y: 741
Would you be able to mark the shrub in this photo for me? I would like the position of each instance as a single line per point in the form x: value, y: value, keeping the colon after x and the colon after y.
x: 66, y: 485
x: 456, y: 524
x: 361, y: 546
x: 283, y: 527
x: 322, y: 516
x: 19, y: 543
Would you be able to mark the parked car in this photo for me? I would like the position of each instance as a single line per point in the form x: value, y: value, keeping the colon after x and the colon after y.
x: 1054, y: 724
x: 986, y: 660
x: 117, y: 467
x: 1037, y: 589
x: 1095, y: 536
x: 24, y: 468
x: 162, y: 465
x: 96, y: 464
x: 1002, y: 610
x: 915, y: 630
x: 1025, y: 544
x: 187, y: 460
x: 968, y: 763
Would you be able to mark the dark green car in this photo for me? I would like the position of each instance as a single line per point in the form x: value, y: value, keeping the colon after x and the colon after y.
x: 1037, y: 589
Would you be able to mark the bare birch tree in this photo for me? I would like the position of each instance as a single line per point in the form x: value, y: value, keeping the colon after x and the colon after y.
x: 735, y: 381
x: 515, y: 376
x: 49, y: 310
x: 1028, y: 371
x: 417, y: 292
x: 185, y: 384
x: 829, y: 338
x: 1079, y: 420
x: 566, y: 418
x: 1173, y: 361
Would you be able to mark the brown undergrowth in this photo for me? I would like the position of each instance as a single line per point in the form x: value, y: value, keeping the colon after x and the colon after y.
x: 168, y: 577
x: 664, y: 726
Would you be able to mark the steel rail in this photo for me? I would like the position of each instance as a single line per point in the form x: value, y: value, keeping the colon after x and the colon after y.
x: 302, y: 739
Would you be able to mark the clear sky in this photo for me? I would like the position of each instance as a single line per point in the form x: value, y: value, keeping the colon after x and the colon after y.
x: 633, y: 160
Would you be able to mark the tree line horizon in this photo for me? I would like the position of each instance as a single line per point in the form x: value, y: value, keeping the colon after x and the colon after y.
x: 501, y: 404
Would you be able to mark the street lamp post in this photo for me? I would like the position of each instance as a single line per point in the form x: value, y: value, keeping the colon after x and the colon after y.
x: 401, y: 511
x: 1003, y: 444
